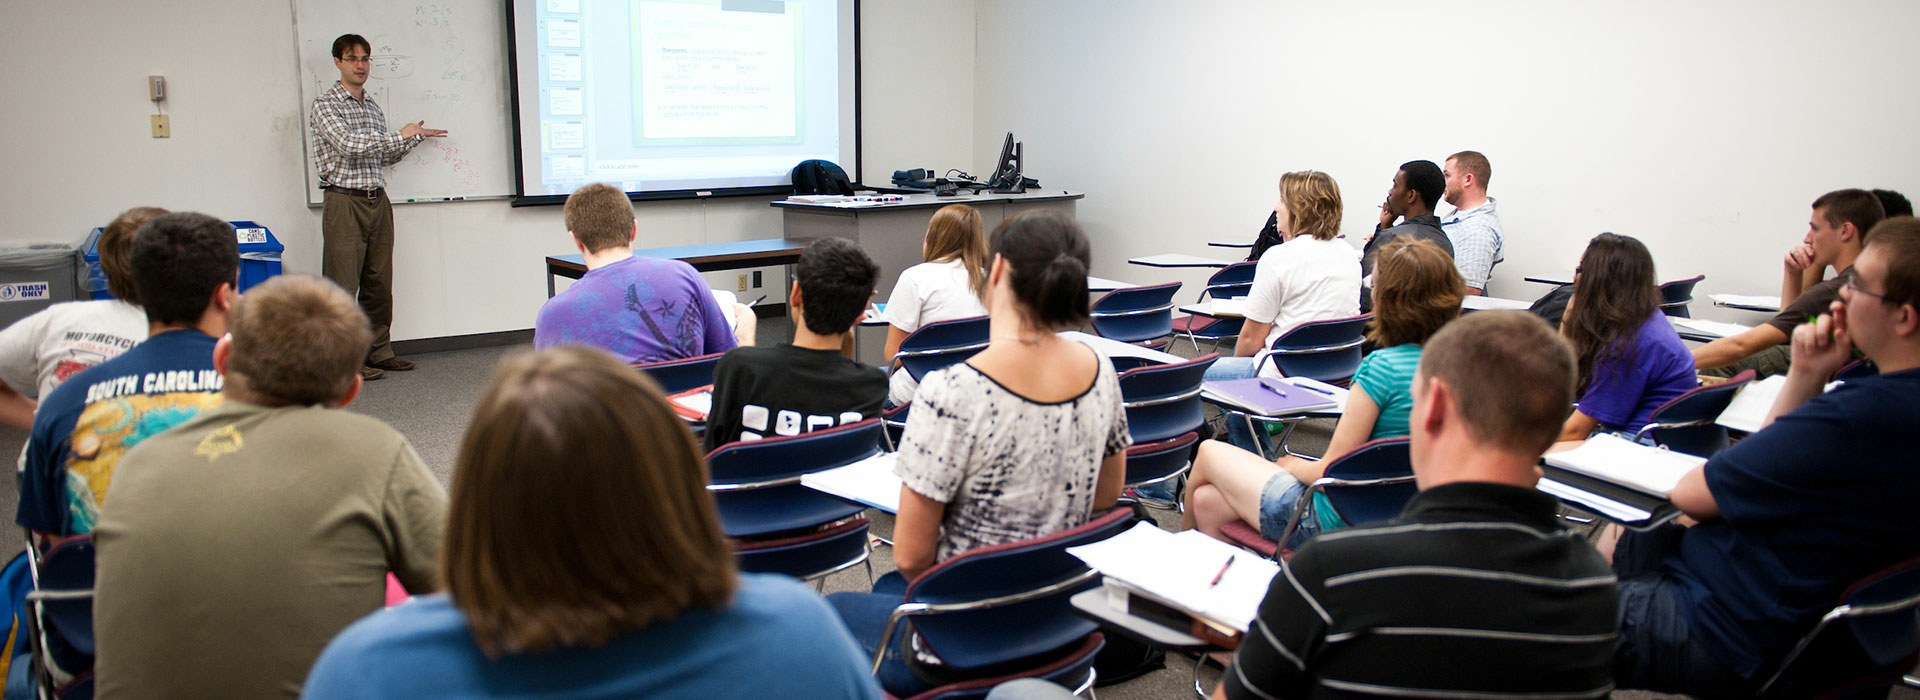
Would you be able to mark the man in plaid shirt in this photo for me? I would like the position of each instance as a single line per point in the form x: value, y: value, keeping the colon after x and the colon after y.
x: 351, y: 144
x: 1474, y: 225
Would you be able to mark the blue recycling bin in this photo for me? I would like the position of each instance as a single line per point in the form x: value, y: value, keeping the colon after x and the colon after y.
x: 260, y: 253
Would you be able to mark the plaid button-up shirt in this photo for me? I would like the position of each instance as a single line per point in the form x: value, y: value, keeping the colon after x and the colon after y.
x: 351, y: 142
x: 1477, y: 244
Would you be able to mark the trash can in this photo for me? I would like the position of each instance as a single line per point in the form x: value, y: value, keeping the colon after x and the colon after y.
x: 34, y: 276
x: 260, y: 255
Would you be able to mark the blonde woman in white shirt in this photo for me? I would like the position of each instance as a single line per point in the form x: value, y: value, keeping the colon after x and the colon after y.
x: 945, y: 287
x: 1312, y: 276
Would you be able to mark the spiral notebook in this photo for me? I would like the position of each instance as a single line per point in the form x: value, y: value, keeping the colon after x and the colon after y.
x: 1268, y: 397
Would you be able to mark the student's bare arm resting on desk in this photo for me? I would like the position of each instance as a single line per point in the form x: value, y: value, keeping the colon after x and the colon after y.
x: 916, y: 533
x: 1735, y: 348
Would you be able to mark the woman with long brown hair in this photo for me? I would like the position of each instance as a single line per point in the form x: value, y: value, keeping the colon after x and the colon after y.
x: 1630, y: 358
x: 949, y: 285
x: 584, y: 559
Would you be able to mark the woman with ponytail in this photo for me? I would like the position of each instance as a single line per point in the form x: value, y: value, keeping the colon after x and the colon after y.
x: 947, y: 286
x: 1025, y: 439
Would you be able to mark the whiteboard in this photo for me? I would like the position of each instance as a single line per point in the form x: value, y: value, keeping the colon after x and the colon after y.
x: 444, y: 61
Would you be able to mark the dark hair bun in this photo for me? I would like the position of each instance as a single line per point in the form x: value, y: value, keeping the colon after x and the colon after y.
x: 1048, y: 255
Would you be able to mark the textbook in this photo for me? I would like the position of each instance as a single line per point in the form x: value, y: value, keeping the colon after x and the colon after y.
x: 1269, y: 397
x: 1617, y: 460
x: 1209, y: 580
x: 869, y: 482
x: 694, y: 404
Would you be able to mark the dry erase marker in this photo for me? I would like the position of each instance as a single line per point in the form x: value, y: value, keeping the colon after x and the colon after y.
x: 1223, y: 567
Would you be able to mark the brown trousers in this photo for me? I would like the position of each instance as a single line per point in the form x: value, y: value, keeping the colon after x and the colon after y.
x: 357, y: 254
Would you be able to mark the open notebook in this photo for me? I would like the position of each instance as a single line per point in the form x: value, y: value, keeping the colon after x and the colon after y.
x: 1630, y: 464
x: 1178, y: 569
x: 1748, y: 411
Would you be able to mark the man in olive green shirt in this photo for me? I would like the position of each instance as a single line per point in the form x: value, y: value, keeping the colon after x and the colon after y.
x: 238, y: 543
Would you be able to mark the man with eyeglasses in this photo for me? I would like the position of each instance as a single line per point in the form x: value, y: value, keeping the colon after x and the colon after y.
x: 1790, y: 517
x: 351, y: 144
x: 1835, y: 235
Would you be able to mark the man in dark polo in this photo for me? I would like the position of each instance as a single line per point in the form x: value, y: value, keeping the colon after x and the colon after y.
x: 351, y: 144
x: 1416, y: 190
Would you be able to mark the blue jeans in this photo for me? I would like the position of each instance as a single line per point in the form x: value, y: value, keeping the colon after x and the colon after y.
x: 1029, y: 689
x: 1656, y: 649
x: 1228, y: 369
x: 866, y: 617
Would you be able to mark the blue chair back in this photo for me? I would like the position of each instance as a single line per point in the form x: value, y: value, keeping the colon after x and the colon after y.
x: 1868, y: 641
x: 1234, y: 280
x: 942, y: 343
x: 1163, y: 401
x: 808, y: 556
x: 1675, y: 295
x: 988, y: 636
x: 1327, y: 350
x: 1685, y: 423
x: 1379, y: 459
x: 757, y: 483
x: 675, y: 376
x: 1136, y: 314
x: 1154, y: 462
x: 68, y: 567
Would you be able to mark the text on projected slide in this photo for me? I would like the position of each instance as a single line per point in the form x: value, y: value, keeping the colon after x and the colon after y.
x: 703, y: 74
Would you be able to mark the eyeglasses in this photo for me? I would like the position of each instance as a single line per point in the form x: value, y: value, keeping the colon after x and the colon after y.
x: 355, y: 59
x: 1853, y: 282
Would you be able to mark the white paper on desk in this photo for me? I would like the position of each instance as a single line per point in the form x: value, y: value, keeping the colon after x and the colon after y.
x: 1755, y: 300
x: 1749, y: 408
x: 1178, y: 569
x: 1480, y: 303
x: 1715, y: 328
x: 1230, y: 306
x: 1612, y: 509
x: 870, y: 481
x: 1617, y: 460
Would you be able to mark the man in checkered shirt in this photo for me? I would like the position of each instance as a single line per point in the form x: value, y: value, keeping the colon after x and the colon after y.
x: 351, y: 144
x: 1474, y: 225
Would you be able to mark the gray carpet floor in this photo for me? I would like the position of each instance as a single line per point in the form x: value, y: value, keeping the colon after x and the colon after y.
x: 432, y: 405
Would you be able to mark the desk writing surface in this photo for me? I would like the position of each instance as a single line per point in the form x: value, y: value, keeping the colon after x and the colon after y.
x: 1481, y: 303
x: 1179, y: 260
x: 1102, y: 284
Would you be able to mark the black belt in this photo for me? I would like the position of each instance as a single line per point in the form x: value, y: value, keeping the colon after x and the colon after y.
x: 350, y: 192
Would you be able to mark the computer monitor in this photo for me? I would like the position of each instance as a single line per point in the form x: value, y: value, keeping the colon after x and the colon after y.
x: 1007, y: 178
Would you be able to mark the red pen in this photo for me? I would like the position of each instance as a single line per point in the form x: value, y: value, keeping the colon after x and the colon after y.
x: 1223, y: 569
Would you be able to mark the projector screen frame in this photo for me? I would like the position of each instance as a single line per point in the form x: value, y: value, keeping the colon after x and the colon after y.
x: 522, y: 199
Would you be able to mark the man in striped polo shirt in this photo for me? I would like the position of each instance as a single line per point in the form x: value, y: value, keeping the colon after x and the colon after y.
x: 350, y: 145
x: 1476, y: 590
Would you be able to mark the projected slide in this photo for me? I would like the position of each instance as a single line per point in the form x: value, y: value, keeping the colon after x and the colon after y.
x: 671, y: 95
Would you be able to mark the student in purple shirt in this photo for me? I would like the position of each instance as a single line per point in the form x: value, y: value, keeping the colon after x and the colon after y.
x: 1630, y: 359
x: 638, y: 309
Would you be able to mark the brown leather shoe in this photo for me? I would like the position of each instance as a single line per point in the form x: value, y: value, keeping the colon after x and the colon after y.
x: 392, y: 364
x: 368, y: 374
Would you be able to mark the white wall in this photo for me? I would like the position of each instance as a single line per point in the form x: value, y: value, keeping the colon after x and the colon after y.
x: 1703, y: 128
x: 77, y: 150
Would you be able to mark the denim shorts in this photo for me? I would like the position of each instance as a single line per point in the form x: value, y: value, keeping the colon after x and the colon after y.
x: 1277, y: 501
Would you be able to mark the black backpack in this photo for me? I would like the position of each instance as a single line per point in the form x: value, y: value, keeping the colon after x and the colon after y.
x: 1268, y: 238
x: 820, y: 177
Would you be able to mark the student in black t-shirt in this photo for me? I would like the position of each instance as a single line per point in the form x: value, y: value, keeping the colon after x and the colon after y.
x: 808, y: 384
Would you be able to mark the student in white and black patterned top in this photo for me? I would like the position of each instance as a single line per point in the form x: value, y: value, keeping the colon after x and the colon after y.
x: 1025, y: 439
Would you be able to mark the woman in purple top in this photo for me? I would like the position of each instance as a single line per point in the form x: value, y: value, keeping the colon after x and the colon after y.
x: 1630, y: 359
